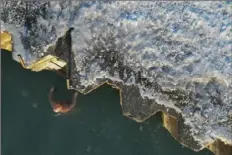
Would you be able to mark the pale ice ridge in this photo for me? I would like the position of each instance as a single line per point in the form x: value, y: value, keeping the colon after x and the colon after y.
x: 187, y: 42
x: 195, y: 48
x: 18, y: 48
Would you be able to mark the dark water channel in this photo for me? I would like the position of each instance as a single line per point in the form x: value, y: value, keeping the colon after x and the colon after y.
x: 95, y: 127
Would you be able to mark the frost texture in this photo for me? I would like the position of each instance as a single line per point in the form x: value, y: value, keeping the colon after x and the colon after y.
x: 183, y: 46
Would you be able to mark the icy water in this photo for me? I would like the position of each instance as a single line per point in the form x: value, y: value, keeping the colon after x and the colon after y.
x: 95, y: 127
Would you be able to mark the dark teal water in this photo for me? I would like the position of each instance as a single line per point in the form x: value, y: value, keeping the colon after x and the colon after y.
x: 96, y: 127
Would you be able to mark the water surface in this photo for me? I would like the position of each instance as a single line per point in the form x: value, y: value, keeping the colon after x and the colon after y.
x: 95, y: 127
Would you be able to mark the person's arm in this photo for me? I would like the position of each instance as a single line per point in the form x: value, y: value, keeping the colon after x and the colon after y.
x: 50, y: 97
x: 74, y: 100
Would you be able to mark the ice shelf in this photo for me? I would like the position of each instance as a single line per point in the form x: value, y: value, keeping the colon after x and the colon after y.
x: 174, y: 57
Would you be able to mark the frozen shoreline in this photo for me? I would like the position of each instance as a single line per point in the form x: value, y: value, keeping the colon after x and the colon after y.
x: 176, y: 54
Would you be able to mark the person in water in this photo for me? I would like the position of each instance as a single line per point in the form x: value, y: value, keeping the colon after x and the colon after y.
x: 62, y: 106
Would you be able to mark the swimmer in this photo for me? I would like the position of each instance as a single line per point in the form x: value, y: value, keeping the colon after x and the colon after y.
x: 62, y: 106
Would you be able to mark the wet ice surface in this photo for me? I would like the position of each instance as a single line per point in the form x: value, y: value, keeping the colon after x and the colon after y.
x: 182, y: 46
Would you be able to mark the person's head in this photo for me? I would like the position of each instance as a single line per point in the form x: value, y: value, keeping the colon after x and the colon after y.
x: 57, y: 108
